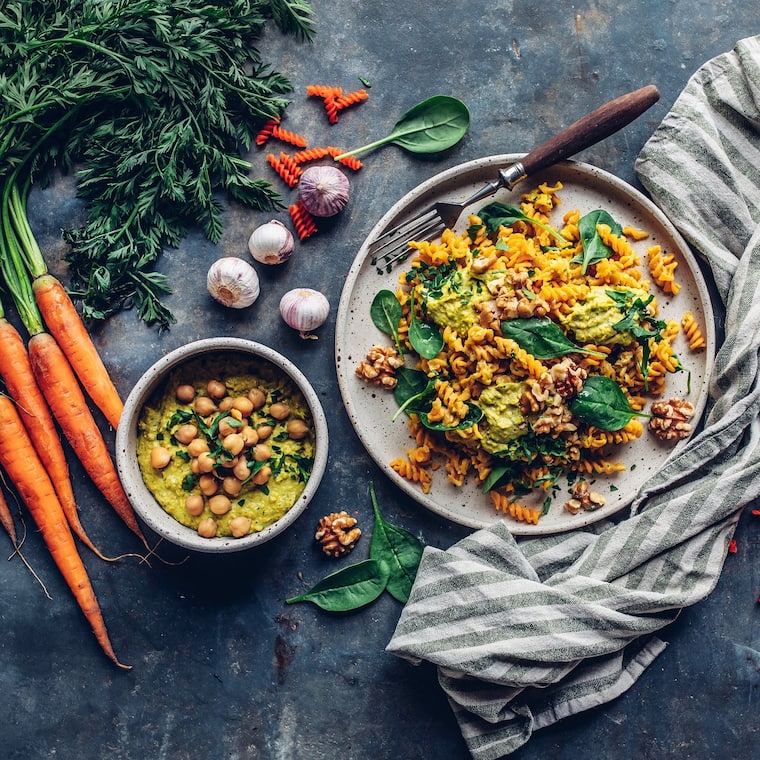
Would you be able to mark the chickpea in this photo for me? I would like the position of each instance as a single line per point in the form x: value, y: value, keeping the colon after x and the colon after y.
x: 216, y: 389
x: 219, y: 504
x: 226, y: 404
x: 240, y: 526
x: 241, y: 470
x: 226, y: 428
x: 261, y: 452
x: 207, y: 527
x: 228, y: 464
x: 297, y: 429
x: 206, y: 462
x: 197, y: 446
x: 194, y: 504
x: 257, y: 397
x: 263, y: 475
x: 184, y: 393
x: 204, y: 406
x: 244, y: 405
x: 186, y: 433
x: 264, y: 431
x: 194, y: 468
x: 231, y: 485
x: 233, y: 443
x: 250, y: 436
x: 160, y: 457
x: 279, y: 410
x: 208, y: 484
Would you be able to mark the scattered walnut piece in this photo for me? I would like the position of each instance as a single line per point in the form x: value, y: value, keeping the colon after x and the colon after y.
x: 379, y: 366
x: 670, y: 419
x: 337, y: 533
x: 582, y: 497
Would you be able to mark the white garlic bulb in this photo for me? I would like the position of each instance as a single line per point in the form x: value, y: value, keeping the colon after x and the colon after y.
x: 304, y: 310
x: 271, y: 243
x: 323, y: 190
x: 233, y: 282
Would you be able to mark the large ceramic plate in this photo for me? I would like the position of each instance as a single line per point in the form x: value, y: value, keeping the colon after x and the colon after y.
x: 585, y: 188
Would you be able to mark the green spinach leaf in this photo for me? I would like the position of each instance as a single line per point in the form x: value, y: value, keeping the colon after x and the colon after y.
x: 397, y: 548
x: 594, y: 249
x: 349, y: 588
x: 426, y: 339
x: 496, y: 214
x: 413, y: 388
x: 433, y: 125
x: 602, y: 403
x: 385, y: 312
x: 542, y: 338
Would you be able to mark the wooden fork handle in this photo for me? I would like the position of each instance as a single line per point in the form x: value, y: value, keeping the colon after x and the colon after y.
x: 587, y: 131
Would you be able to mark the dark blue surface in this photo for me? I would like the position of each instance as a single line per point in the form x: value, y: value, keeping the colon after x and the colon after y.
x: 222, y: 667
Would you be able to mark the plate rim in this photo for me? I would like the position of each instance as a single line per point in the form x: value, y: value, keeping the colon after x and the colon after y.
x: 404, y: 206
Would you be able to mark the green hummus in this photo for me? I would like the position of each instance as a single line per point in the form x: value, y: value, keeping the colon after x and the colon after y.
x: 503, y: 421
x: 254, y: 506
x: 453, y: 304
x: 592, y: 320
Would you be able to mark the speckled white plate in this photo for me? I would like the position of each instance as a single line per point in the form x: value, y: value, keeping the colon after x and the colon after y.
x: 585, y: 188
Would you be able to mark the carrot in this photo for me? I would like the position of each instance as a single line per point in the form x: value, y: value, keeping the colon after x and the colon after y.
x: 16, y: 371
x: 24, y: 468
x: 59, y: 385
x: 64, y: 323
x: 6, y: 520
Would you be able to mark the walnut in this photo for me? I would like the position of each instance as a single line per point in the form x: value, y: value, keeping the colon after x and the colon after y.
x: 568, y: 377
x: 670, y: 419
x: 337, y: 533
x: 379, y: 366
x: 582, y: 497
x: 557, y: 418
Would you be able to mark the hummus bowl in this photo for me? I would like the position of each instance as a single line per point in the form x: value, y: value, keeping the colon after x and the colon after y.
x: 165, y: 478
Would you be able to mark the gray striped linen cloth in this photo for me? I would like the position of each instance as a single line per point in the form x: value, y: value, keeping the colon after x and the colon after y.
x: 527, y: 632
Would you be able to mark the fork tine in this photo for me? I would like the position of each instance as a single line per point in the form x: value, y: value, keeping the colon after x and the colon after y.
x: 404, y: 229
x: 398, y: 249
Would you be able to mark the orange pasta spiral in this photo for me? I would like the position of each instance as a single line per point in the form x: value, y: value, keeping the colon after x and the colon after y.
x: 693, y: 332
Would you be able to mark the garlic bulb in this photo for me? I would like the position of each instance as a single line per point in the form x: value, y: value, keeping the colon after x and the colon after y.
x: 271, y: 243
x: 233, y: 282
x: 304, y: 309
x: 323, y: 190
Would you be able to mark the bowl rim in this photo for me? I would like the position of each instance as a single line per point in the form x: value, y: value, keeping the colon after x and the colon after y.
x: 142, y: 500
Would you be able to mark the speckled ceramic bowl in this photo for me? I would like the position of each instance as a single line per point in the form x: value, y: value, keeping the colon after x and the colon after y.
x: 143, y: 502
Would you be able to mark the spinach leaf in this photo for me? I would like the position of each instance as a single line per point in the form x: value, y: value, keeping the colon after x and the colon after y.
x: 426, y: 339
x: 433, y: 125
x: 413, y: 387
x: 398, y: 549
x: 496, y: 214
x: 542, y: 338
x: 385, y: 312
x: 602, y: 403
x: 473, y: 416
x: 349, y: 588
x: 594, y: 249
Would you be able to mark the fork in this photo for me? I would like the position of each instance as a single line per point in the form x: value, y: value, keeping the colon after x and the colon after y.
x: 392, y: 245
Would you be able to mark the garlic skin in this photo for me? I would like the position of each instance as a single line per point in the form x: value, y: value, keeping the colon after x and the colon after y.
x: 271, y: 243
x: 304, y: 309
x: 324, y: 190
x: 233, y: 282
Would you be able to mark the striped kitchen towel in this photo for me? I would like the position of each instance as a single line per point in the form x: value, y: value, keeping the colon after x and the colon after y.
x: 527, y: 632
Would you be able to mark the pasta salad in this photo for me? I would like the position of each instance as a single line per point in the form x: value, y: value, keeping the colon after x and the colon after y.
x: 520, y: 352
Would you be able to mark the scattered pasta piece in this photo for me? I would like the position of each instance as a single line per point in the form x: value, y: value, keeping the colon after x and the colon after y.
x: 662, y: 267
x: 265, y: 132
x: 693, y: 332
x: 302, y: 220
x: 635, y: 234
x: 288, y: 170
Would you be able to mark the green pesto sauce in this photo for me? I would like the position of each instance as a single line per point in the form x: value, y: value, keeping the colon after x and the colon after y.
x: 503, y: 421
x: 264, y: 505
x: 592, y: 320
x: 454, y: 304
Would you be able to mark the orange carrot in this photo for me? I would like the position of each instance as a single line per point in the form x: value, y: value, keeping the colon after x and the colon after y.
x: 6, y: 520
x: 56, y: 379
x: 64, y: 323
x: 16, y: 370
x: 24, y: 468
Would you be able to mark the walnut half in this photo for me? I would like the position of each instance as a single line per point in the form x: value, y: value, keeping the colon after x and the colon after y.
x: 670, y: 419
x: 337, y: 533
x: 379, y: 366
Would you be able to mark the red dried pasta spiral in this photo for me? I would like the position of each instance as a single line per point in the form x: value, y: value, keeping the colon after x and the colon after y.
x: 288, y: 136
x: 302, y: 220
x: 350, y: 99
x: 266, y: 131
x: 284, y: 166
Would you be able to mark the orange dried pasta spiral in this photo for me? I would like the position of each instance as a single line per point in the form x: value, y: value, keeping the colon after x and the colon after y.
x: 662, y: 267
x: 693, y: 332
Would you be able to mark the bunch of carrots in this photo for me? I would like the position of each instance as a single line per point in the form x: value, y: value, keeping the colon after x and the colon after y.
x: 43, y: 379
